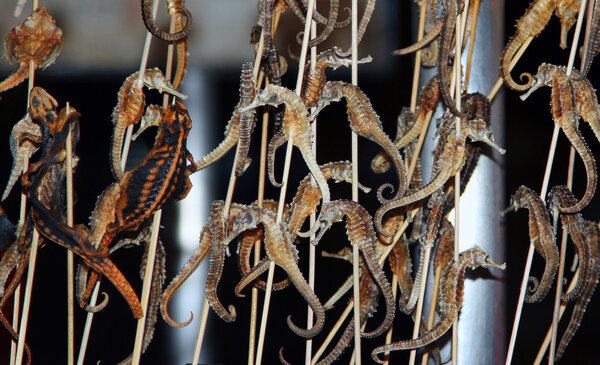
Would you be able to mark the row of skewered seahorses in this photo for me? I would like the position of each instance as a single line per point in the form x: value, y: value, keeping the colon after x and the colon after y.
x: 122, y: 212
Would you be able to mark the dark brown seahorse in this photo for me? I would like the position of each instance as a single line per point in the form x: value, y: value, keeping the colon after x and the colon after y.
x: 146, y: 6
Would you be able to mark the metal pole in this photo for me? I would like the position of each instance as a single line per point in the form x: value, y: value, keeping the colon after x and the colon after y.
x: 482, y: 318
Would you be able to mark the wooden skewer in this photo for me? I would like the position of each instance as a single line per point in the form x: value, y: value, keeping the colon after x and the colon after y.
x: 434, y: 297
x: 512, y: 64
x: 355, y: 252
x: 286, y: 169
x: 563, y: 306
x: 472, y: 41
x: 70, y: 259
x: 543, y: 194
x: 18, y: 355
x: 419, y: 308
x: 313, y: 218
x: 124, y: 154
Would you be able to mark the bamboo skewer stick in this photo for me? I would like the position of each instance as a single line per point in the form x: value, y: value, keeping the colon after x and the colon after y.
x: 472, y: 41
x: 413, y: 106
x: 563, y: 306
x: 543, y: 193
x: 512, y: 64
x: 313, y: 218
x: 286, y: 169
x: 261, y: 193
x: 18, y: 355
x: 70, y: 258
x: 124, y: 154
x: 355, y: 253
x: 434, y: 297
x: 419, y: 308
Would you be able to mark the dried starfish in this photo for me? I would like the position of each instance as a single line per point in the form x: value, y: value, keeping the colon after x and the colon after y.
x: 38, y: 39
x: 449, y: 158
x: 541, y: 236
x: 561, y: 196
x: 565, y: 116
x: 450, y: 299
x: 593, y: 233
x: 130, y: 107
x: 359, y: 228
x: 365, y: 122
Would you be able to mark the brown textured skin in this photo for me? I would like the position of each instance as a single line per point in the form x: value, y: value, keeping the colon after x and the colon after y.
x: 430, y: 96
x: 594, y: 41
x: 37, y: 39
x: 362, y: 27
x: 427, y: 38
x: 331, y: 21
x: 565, y: 116
x: 566, y: 11
x: 181, y: 46
x: 232, y: 130
x: 280, y: 249
x: 22, y: 145
x: 296, y: 126
x: 451, y: 284
x: 300, y: 11
x: 529, y: 25
x: 186, y: 271
x: 146, y: 6
x: 587, y: 102
x: 445, y: 248
x: 542, y: 236
x: 451, y: 9
x: 247, y: 119
x: 130, y: 108
x: 314, y: 80
x: 561, y: 196
x: 365, y: 122
x: 360, y: 232
x: 593, y: 233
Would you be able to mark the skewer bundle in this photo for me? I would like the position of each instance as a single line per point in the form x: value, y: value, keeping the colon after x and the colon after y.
x: 277, y: 230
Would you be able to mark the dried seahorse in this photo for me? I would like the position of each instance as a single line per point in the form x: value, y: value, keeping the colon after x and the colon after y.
x: 362, y: 27
x: 449, y: 158
x: 331, y: 21
x: 365, y: 122
x: 565, y: 116
x: 451, y: 9
x: 281, y: 250
x: 181, y: 46
x: 247, y: 120
x: 158, y: 280
x: 146, y: 6
x: 561, y: 196
x: 593, y: 233
x: 593, y: 45
x: 308, y: 196
x: 359, y: 229
x: 232, y: 130
x: 130, y: 107
x: 452, y: 284
x: 186, y: 271
x: 541, y: 235
x: 296, y: 127
x: 22, y: 146
x: 430, y: 96
x: 38, y: 39
x: 529, y: 25
x: 314, y: 80
x: 436, y: 206
x: 247, y: 241
x: 300, y: 11
x: 566, y: 11
x: 587, y: 101
x: 152, y: 117
x: 427, y: 38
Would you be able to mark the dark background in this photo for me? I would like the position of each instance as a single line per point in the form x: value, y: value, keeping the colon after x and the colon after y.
x: 528, y: 132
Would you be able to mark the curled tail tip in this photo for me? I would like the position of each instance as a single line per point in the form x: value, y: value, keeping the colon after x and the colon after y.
x: 173, y: 323
x: 380, y: 190
x: 306, y: 333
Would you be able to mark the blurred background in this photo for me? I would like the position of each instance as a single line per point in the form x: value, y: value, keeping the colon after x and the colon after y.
x: 103, y: 45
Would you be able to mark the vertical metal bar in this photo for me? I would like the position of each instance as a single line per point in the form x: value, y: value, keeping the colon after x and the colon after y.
x: 482, y: 318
